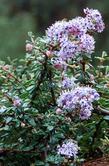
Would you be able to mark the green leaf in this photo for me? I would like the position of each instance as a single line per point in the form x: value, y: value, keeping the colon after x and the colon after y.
x: 32, y: 122
x: 106, y: 117
x: 30, y: 88
x: 39, y: 163
x: 50, y: 128
x: 30, y: 34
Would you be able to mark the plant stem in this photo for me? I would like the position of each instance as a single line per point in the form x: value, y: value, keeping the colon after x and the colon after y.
x: 83, y: 66
x: 83, y: 70
x: 95, y: 135
x: 2, y: 151
x: 42, y: 75
x: 101, y: 111
x: 51, y: 87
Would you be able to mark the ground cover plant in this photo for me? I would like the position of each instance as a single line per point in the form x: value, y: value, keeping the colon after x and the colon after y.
x: 54, y: 104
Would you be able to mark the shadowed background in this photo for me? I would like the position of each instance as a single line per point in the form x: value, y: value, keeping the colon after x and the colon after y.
x: 17, y: 17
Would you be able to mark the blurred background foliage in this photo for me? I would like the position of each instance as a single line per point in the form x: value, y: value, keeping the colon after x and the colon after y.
x: 17, y: 17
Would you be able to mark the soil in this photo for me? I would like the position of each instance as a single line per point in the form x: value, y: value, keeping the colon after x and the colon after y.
x: 103, y: 161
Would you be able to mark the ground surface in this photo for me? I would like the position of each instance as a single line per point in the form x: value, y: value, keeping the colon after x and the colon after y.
x: 104, y: 161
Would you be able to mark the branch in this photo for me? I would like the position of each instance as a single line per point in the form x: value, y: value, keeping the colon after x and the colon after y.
x: 42, y: 75
x: 51, y: 88
x: 83, y: 66
x: 103, y: 111
x: 3, y: 151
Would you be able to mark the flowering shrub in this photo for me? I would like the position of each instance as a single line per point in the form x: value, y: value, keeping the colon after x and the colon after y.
x: 54, y: 104
x: 79, y: 99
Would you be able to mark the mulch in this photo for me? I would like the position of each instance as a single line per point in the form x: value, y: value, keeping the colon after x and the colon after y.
x: 103, y: 161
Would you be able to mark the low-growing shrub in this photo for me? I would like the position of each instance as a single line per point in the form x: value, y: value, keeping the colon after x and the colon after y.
x: 54, y: 104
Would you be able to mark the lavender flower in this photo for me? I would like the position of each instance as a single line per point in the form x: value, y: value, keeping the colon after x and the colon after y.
x: 66, y: 83
x: 68, y: 149
x: 81, y: 98
x: 85, y: 114
x: 68, y: 50
x: 71, y: 38
x: 56, y: 31
x: 94, y: 20
x: 77, y: 26
x: 87, y: 43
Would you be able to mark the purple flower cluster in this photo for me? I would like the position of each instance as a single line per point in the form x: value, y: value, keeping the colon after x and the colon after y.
x: 94, y: 20
x: 56, y: 31
x: 68, y: 149
x: 73, y: 37
x: 66, y: 83
x: 81, y: 98
x: 87, y: 44
x: 68, y: 49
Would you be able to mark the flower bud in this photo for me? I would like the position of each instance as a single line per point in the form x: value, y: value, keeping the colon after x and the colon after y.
x: 29, y: 47
x: 16, y: 102
x: 59, y: 111
x: 92, y: 77
x: 5, y: 67
x: 58, y: 66
x: 22, y: 124
x: 49, y: 54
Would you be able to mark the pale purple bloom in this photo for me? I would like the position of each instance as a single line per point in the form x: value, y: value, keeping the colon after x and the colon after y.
x: 81, y: 98
x: 85, y: 114
x: 68, y: 149
x: 71, y: 38
x: 94, y: 20
x: 65, y: 99
x: 87, y: 43
x: 66, y: 83
x: 77, y: 26
x: 56, y: 31
x: 68, y: 50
